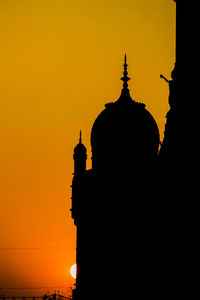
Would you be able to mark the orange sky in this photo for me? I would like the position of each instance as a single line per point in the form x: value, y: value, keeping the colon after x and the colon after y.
x: 61, y: 61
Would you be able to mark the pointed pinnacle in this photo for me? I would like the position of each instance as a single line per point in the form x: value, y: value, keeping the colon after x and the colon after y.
x: 80, y: 138
x: 125, y: 78
x: 125, y: 60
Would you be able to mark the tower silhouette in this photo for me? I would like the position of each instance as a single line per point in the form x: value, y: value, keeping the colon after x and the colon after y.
x: 174, y: 143
x: 179, y: 158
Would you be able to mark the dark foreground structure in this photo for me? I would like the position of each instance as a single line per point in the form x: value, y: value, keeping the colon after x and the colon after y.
x: 129, y: 208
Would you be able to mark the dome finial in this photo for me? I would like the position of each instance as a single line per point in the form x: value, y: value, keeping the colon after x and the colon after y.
x: 125, y: 78
x: 80, y: 138
x: 125, y: 58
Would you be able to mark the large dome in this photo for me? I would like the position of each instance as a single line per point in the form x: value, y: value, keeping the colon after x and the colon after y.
x: 124, y: 133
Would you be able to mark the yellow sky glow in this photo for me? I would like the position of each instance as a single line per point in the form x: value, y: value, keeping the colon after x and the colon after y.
x: 61, y: 61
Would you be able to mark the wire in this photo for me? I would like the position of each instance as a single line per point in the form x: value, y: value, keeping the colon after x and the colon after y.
x: 37, y: 248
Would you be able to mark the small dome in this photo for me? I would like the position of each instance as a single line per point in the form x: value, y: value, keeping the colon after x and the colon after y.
x: 80, y: 149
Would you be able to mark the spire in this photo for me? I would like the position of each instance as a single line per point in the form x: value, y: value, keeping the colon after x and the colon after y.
x: 125, y: 78
x: 80, y: 138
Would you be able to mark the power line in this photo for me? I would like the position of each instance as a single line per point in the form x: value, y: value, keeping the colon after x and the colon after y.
x: 37, y: 248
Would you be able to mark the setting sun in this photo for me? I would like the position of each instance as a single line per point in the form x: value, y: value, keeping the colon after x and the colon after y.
x: 73, y: 271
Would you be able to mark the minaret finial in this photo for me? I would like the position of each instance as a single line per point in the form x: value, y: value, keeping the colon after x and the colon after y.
x: 80, y: 138
x: 125, y: 78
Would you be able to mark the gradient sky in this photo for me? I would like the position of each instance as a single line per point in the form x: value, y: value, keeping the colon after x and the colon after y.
x: 60, y: 62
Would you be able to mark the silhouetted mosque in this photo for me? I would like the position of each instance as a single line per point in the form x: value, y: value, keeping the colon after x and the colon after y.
x: 125, y: 233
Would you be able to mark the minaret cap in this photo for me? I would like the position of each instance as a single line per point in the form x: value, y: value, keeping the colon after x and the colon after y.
x: 80, y: 156
x: 80, y: 148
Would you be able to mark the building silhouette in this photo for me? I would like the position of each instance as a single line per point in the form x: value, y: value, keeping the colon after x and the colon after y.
x: 126, y: 207
x: 105, y: 204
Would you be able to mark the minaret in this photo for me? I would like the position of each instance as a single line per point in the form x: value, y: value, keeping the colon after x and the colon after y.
x: 80, y: 157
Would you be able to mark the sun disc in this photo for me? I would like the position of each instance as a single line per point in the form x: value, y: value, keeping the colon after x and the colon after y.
x: 73, y: 271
